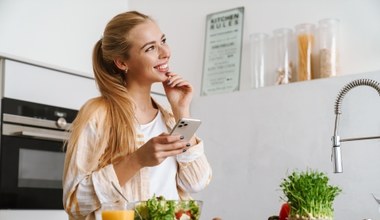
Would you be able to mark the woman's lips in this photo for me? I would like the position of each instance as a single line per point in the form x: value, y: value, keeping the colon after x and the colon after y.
x: 162, y: 68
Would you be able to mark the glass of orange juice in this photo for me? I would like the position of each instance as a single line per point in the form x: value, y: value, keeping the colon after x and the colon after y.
x: 117, y: 211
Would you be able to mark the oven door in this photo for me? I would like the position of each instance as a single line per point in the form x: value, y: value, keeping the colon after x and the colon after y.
x: 31, y: 173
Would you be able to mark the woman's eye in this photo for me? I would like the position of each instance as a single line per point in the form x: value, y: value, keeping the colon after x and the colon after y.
x: 149, y: 48
x: 163, y: 41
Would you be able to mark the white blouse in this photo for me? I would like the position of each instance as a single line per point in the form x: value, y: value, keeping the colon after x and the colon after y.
x: 163, y: 176
x: 86, y: 187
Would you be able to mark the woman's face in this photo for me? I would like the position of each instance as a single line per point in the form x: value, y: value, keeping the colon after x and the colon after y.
x: 149, y: 54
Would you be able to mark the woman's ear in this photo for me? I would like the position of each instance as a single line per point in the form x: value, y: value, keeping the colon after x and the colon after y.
x: 121, y: 64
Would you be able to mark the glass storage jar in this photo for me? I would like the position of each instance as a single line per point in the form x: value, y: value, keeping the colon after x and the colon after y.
x: 328, y: 31
x: 259, y: 65
x: 283, y: 55
x: 305, y: 51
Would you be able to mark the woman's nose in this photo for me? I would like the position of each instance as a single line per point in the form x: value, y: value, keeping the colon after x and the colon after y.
x: 164, y: 51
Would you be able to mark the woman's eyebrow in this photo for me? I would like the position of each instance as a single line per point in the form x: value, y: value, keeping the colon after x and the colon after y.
x: 152, y: 42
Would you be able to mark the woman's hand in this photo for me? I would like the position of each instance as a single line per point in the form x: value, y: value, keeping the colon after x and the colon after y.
x: 179, y: 93
x: 157, y: 149
x: 152, y: 153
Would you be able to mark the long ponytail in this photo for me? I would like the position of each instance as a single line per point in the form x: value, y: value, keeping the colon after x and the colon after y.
x: 120, y: 120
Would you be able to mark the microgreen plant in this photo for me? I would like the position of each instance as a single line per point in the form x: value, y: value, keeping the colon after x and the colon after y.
x: 309, y: 194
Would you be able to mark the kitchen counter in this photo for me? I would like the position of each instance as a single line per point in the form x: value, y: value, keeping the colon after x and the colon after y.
x: 33, y: 214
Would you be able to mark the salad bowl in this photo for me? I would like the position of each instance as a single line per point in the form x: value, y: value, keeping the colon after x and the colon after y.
x: 158, y: 208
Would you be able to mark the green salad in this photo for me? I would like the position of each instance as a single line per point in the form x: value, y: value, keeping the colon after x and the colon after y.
x: 157, y: 208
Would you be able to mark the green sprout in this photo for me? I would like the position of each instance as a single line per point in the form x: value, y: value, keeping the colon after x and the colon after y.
x: 309, y: 195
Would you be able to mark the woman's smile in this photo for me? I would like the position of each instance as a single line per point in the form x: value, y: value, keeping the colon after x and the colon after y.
x: 163, y: 68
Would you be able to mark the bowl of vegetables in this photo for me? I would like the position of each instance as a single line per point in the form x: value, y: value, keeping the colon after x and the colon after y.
x: 158, y: 208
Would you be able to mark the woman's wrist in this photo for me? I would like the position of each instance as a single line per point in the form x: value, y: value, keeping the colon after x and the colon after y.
x: 134, y: 161
x: 181, y: 113
x: 127, y: 168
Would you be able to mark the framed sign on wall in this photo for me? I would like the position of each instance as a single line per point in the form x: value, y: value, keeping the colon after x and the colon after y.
x: 222, y: 53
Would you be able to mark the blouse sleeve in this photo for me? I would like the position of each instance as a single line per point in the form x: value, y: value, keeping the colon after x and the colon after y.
x: 85, y: 187
x: 194, y: 170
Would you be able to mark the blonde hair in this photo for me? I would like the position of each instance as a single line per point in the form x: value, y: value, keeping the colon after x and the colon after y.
x: 120, y: 122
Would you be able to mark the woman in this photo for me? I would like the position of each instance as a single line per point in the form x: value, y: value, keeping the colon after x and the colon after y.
x: 121, y: 137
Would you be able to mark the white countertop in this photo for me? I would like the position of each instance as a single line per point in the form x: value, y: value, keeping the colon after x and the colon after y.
x: 6, y: 214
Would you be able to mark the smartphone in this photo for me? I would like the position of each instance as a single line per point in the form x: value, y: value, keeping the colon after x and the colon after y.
x: 186, y: 127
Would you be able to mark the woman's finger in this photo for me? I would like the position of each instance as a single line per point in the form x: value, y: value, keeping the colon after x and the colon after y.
x: 165, y: 154
x: 184, y: 84
x: 171, y: 146
x: 173, y: 80
x: 179, y: 82
x: 167, y: 139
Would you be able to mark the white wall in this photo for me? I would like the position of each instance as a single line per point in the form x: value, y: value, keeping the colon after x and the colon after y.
x: 58, y: 33
x: 253, y: 137
x: 184, y: 24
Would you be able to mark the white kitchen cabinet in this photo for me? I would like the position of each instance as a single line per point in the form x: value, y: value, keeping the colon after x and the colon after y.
x: 45, y: 85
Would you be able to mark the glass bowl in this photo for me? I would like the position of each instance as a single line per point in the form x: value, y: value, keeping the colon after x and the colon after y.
x: 167, y: 209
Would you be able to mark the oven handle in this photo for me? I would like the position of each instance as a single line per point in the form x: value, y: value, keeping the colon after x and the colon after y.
x: 42, y: 135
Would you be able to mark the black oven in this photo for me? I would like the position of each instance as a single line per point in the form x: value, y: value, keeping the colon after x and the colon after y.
x: 32, y: 154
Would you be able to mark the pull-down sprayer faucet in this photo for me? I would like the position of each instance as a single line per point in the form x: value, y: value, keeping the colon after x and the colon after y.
x: 336, y: 153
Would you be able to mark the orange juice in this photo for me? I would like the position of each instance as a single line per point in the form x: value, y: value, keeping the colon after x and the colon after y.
x: 118, y: 215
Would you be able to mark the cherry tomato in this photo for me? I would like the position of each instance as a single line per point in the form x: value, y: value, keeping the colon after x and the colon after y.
x: 178, y: 214
x: 284, y: 211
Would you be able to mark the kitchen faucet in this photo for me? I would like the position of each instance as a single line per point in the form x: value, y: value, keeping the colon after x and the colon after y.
x: 336, y: 156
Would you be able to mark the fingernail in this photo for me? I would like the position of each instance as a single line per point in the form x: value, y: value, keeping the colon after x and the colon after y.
x: 184, y: 150
x: 188, y: 145
x: 182, y: 137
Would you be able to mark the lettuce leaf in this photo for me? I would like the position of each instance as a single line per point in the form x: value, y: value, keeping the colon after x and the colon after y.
x: 157, y: 208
